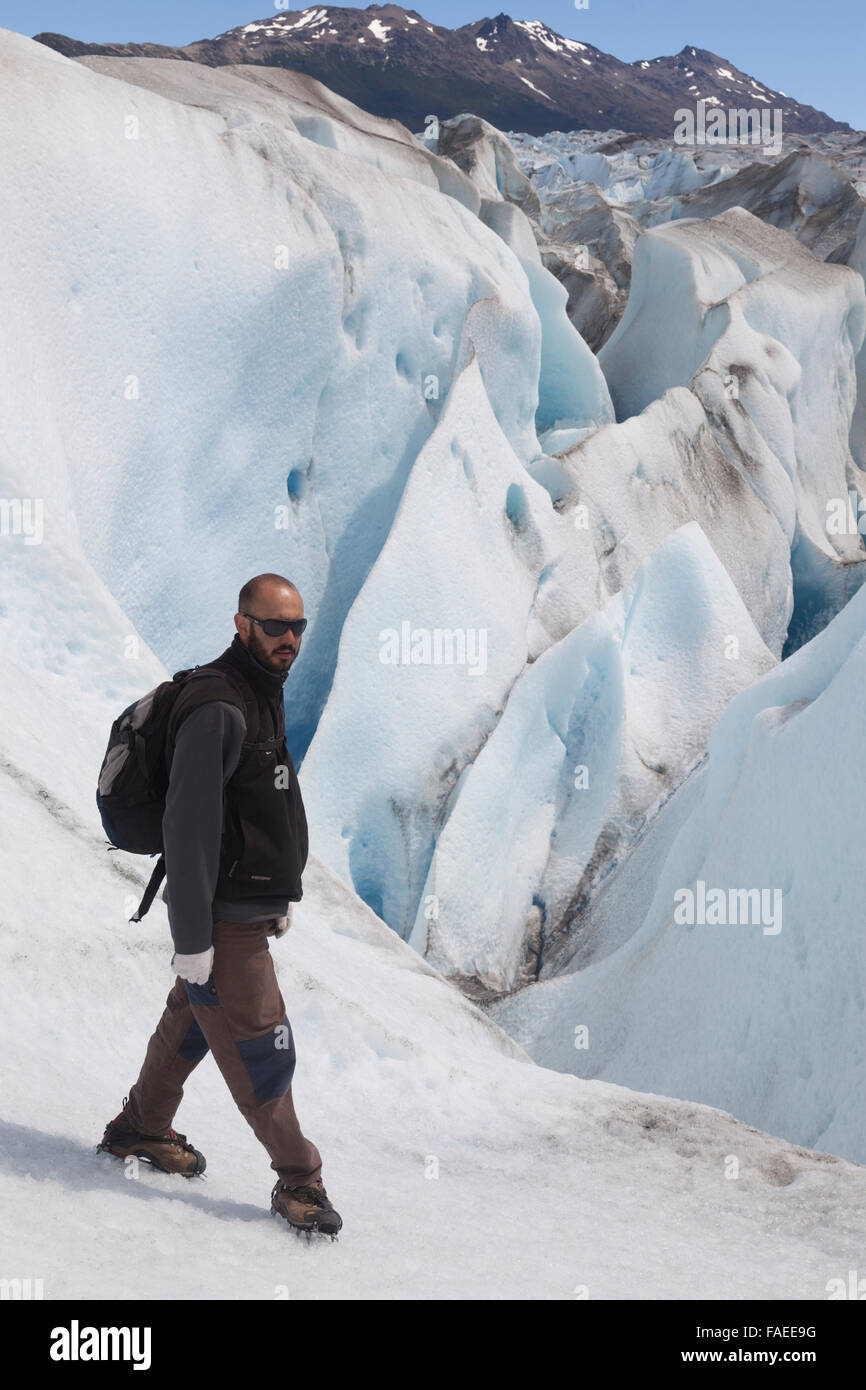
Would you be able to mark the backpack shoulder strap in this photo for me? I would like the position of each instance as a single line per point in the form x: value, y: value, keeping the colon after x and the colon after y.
x: 201, y: 686
x: 151, y: 890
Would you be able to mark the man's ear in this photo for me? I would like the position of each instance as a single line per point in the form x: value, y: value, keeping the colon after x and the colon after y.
x: 239, y: 624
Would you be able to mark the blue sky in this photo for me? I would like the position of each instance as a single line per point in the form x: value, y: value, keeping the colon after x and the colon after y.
x: 814, y: 52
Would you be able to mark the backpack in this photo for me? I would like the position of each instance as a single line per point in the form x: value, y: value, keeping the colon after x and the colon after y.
x: 133, y: 778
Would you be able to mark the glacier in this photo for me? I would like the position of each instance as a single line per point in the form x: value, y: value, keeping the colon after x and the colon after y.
x: 602, y: 727
x: 398, y: 1074
x: 328, y: 363
x: 767, y: 1022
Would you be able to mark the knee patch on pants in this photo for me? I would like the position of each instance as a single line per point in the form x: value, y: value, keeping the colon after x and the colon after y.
x: 270, y: 1061
x: 194, y: 1046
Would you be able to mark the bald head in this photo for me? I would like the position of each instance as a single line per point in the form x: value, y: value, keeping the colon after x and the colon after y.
x: 266, y: 586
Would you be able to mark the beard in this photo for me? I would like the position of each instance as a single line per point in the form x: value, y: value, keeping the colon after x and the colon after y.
x: 268, y: 658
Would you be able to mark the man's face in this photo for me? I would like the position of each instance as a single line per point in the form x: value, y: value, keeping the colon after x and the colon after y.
x: 274, y: 653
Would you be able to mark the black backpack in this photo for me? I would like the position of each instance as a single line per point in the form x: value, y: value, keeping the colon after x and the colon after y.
x: 133, y: 779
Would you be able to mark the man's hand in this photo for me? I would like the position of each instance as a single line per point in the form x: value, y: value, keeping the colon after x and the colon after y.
x: 196, y: 969
x: 280, y: 925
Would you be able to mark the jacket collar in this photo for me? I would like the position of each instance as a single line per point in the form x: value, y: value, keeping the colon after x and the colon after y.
x: 268, y: 681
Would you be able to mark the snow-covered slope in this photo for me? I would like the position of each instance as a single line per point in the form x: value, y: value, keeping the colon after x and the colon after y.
x: 760, y: 1013
x: 429, y: 1118
x: 258, y: 102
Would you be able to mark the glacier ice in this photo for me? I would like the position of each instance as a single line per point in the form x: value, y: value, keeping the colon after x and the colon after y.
x: 766, y: 1023
x: 781, y: 332
x: 596, y: 732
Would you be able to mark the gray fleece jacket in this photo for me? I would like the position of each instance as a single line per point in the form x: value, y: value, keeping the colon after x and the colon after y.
x: 207, y: 751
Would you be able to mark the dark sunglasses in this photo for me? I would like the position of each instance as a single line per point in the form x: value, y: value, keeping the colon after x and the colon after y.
x: 275, y: 627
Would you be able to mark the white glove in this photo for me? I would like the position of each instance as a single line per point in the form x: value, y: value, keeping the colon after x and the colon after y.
x: 281, y: 924
x: 196, y: 969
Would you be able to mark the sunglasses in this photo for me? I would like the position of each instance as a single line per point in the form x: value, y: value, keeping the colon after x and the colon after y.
x: 275, y: 627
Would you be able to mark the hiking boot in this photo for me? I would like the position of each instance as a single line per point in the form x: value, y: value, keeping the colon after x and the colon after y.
x: 306, y: 1208
x: 169, y: 1153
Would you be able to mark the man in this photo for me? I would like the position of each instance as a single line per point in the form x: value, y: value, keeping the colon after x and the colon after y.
x: 235, y: 845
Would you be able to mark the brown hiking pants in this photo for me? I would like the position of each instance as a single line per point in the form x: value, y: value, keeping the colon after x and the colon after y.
x: 240, y: 1017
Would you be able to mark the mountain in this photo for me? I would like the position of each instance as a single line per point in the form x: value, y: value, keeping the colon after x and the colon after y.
x: 517, y: 74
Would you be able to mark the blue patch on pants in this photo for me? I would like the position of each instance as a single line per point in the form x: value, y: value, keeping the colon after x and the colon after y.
x: 194, y: 1045
x: 270, y: 1061
x: 202, y: 994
